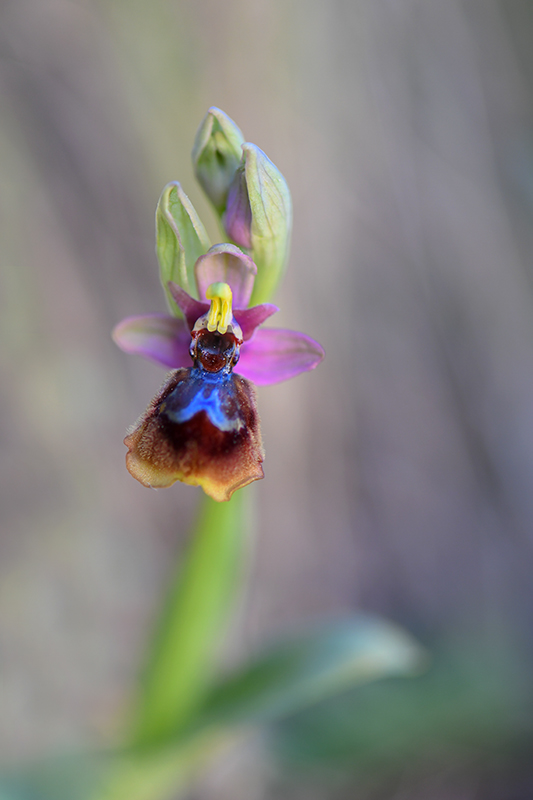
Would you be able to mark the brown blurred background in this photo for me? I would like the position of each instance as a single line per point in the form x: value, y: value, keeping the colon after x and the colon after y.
x: 399, y: 475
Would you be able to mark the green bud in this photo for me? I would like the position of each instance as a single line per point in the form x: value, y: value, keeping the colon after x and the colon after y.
x: 216, y: 155
x: 180, y: 240
x: 259, y: 217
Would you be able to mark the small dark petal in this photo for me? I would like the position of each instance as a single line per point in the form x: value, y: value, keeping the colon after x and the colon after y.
x: 250, y: 318
x: 202, y: 431
x: 191, y: 308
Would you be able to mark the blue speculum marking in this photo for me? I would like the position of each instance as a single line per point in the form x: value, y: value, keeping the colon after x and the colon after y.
x: 213, y: 393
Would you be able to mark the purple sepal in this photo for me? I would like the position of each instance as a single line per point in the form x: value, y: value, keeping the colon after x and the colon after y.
x: 275, y: 355
x: 225, y: 263
x: 160, y: 338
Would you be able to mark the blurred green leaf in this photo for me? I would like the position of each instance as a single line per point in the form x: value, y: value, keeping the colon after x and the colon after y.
x: 161, y: 772
x: 180, y: 239
x: 310, y: 666
x: 69, y: 777
x: 182, y: 660
x: 154, y: 774
x: 473, y: 705
x: 304, y: 669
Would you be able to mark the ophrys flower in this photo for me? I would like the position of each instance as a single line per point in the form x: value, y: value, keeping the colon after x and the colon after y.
x: 202, y: 427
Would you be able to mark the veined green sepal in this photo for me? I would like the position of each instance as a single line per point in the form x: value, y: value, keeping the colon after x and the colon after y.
x: 259, y: 218
x: 216, y: 154
x: 180, y: 240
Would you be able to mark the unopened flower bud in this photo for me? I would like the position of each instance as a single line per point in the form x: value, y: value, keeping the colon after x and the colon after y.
x: 216, y: 155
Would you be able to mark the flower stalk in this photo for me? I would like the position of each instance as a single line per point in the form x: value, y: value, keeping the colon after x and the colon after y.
x: 200, y: 598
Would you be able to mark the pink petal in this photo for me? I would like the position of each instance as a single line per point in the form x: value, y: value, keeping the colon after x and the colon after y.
x: 228, y: 264
x: 250, y: 318
x: 190, y: 307
x: 162, y: 339
x: 275, y: 355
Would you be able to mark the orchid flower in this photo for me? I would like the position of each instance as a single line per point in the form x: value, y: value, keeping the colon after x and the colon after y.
x: 202, y: 427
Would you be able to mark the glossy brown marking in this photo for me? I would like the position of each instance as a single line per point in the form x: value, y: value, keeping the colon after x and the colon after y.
x: 214, y: 351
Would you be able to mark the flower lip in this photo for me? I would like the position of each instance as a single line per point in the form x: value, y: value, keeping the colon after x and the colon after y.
x: 202, y: 429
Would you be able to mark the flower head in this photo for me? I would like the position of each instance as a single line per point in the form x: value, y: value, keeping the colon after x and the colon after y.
x: 202, y: 427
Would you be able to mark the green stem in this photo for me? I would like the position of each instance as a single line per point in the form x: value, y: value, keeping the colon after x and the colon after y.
x: 182, y: 660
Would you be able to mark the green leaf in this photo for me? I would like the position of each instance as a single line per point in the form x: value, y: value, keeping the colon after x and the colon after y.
x: 310, y: 666
x: 155, y: 774
x: 180, y: 239
x: 182, y: 658
x: 160, y: 773
x: 472, y: 706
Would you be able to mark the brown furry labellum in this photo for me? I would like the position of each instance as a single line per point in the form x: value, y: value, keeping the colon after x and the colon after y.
x: 202, y: 427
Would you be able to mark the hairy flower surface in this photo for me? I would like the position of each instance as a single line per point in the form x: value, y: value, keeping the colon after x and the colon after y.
x: 203, y: 428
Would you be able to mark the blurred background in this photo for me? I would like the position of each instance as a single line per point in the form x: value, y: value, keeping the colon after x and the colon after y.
x: 399, y: 475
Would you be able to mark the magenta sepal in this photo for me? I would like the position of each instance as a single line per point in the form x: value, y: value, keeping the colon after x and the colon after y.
x: 276, y: 354
x: 160, y: 338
